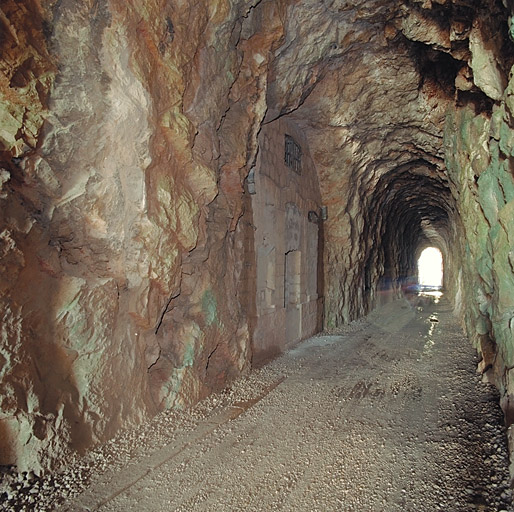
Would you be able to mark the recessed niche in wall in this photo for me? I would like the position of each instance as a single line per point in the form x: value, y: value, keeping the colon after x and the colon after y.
x: 292, y: 278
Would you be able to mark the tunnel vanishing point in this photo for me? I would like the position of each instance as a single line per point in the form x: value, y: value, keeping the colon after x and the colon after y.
x: 189, y: 188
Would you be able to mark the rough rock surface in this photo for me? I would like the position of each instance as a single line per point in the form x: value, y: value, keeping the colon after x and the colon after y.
x: 126, y: 236
x: 121, y: 248
x: 480, y: 167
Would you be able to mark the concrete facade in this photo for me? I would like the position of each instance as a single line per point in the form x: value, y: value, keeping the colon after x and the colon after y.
x: 287, y: 243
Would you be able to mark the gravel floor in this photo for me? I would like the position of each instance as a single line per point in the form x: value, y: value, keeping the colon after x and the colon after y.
x: 385, y: 415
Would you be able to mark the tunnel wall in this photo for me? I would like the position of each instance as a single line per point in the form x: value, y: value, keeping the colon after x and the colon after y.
x: 480, y: 149
x: 286, y: 243
x: 127, y: 130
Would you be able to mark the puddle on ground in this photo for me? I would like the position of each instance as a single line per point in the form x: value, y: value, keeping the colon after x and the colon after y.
x: 429, y: 343
x: 435, y: 296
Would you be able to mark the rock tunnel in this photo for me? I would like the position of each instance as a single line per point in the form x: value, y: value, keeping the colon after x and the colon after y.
x: 188, y: 189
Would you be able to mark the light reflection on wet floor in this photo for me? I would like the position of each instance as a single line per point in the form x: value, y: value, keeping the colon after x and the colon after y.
x: 429, y: 344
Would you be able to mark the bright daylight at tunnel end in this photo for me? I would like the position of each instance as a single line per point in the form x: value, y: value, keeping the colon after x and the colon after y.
x: 189, y: 189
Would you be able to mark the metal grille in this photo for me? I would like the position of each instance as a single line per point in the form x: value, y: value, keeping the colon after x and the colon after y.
x: 293, y: 155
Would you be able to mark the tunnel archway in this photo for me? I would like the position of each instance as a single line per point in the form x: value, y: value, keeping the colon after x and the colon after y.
x: 411, y: 209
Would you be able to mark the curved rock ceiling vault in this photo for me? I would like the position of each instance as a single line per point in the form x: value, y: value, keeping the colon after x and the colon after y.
x: 380, y: 81
x: 127, y: 131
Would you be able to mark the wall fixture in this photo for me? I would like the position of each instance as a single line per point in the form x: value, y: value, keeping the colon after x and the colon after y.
x: 313, y: 217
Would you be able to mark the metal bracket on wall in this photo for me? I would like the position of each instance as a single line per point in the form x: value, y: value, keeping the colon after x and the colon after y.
x: 313, y: 217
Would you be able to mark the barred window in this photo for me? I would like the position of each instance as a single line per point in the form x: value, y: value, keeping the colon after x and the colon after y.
x: 293, y: 154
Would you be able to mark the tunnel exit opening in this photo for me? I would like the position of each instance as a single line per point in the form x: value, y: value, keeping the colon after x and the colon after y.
x: 430, y: 269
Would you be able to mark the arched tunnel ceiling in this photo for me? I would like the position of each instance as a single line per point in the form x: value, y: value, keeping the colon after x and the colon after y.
x: 372, y: 79
x: 377, y: 76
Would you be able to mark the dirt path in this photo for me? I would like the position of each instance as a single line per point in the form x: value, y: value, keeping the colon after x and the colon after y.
x: 389, y: 416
